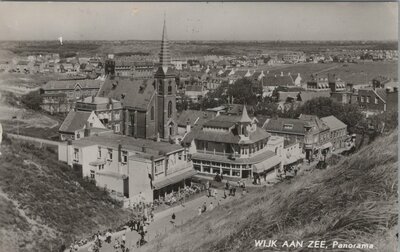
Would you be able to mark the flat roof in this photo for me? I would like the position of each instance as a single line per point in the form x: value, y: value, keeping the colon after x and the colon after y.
x: 112, y: 140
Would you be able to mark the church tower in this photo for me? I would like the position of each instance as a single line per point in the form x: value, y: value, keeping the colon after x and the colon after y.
x: 166, y: 91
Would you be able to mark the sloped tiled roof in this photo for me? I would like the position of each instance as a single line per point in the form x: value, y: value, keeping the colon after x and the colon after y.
x: 381, y: 92
x: 134, y: 93
x: 74, y: 121
x: 333, y: 123
x: 272, y: 80
x: 70, y: 84
x: 277, y: 125
x: 223, y: 121
x: 309, y: 95
x: 194, y: 117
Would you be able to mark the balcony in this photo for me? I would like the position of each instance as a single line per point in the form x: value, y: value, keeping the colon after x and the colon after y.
x: 224, y: 154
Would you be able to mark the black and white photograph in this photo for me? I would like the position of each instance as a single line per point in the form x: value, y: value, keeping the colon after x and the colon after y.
x: 198, y: 126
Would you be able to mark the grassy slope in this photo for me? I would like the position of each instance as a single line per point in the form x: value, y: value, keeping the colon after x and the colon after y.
x: 42, y: 202
x: 354, y: 201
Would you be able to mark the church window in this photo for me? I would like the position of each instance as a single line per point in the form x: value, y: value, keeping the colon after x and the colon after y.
x: 169, y: 89
x: 152, y: 113
x: 169, y: 109
x: 160, y: 87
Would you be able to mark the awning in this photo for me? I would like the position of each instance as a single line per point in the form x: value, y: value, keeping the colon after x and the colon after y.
x: 267, y: 164
x: 173, y: 179
x: 291, y: 160
x: 326, y: 145
x: 97, y: 162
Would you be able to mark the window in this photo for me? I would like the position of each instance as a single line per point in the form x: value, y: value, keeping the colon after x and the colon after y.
x: 376, y: 100
x: 180, y: 155
x: 169, y: 109
x: 76, y: 154
x: 124, y: 157
x: 169, y: 89
x: 116, y: 116
x: 152, y: 113
x: 368, y: 99
x: 110, y: 156
x: 158, y: 168
x: 116, y: 128
x: 160, y: 87
x: 362, y: 98
x: 99, y: 152
x: 92, y: 174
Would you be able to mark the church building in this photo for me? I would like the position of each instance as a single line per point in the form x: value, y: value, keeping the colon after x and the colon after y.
x: 149, y: 104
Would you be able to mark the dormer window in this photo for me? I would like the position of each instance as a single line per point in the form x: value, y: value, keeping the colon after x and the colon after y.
x: 288, y: 126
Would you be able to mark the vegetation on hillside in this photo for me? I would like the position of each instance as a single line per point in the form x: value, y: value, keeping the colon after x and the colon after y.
x: 354, y: 201
x: 44, y: 203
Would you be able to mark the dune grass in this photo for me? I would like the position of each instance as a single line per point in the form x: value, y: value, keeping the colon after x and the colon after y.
x: 353, y: 201
x: 45, y: 203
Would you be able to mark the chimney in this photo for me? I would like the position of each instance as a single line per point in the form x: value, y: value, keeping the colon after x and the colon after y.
x: 86, y: 131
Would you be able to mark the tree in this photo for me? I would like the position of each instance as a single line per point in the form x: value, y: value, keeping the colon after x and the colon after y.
x: 350, y: 114
x: 32, y: 100
x: 244, y: 92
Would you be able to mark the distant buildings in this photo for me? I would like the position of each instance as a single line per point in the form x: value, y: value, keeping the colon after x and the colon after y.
x: 60, y: 96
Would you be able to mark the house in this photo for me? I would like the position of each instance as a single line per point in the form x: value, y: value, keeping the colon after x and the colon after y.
x: 377, y: 100
x: 270, y: 82
x: 74, y: 125
x: 338, y: 131
x: 132, y: 169
x: 233, y: 146
x: 60, y: 96
x: 195, y: 91
x: 109, y: 111
x: 310, y: 131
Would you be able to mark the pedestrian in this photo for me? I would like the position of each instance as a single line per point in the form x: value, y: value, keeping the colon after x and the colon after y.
x: 199, y: 211
x: 234, y: 191
x: 144, y: 229
x: 211, y: 206
x: 204, y: 209
x: 173, y: 219
x: 123, y: 242
x: 215, y: 193
x: 227, y: 185
x: 224, y: 194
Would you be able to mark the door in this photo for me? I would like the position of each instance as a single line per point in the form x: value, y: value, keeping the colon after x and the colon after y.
x: 126, y: 187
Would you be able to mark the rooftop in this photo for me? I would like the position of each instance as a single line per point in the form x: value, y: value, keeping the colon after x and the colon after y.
x: 75, y: 120
x: 333, y: 123
x: 72, y: 84
x: 135, y: 93
x: 129, y: 143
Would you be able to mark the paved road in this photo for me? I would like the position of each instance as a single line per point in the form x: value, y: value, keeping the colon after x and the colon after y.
x: 162, y: 221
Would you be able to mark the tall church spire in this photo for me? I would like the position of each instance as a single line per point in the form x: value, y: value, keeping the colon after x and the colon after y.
x: 165, y: 56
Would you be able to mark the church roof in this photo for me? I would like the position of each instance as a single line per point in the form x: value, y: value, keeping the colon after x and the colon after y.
x: 134, y: 93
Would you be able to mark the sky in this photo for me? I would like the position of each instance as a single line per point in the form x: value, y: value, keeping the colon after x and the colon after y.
x: 198, y: 21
